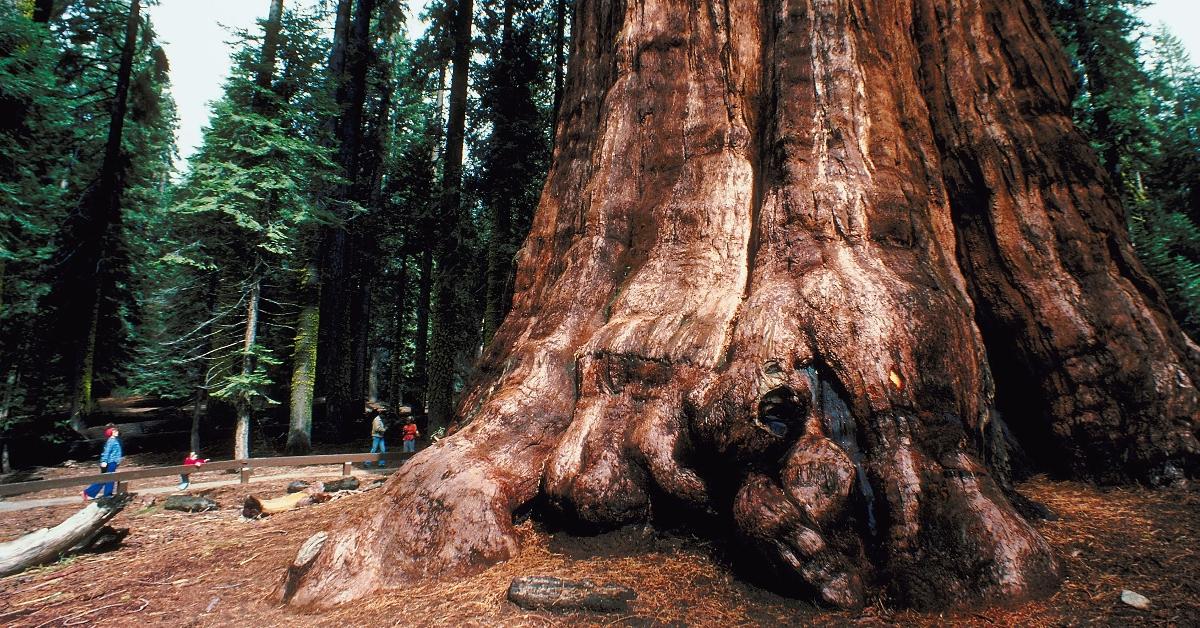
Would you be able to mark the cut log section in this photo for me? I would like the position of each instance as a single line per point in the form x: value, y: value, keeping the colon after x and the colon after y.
x: 188, y: 503
x: 344, y: 484
x: 255, y: 507
x: 556, y: 594
x: 48, y: 544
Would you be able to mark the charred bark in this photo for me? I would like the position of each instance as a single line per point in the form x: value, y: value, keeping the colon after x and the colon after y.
x: 780, y: 250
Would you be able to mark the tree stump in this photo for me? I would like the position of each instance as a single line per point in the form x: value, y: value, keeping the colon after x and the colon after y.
x: 556, y: 594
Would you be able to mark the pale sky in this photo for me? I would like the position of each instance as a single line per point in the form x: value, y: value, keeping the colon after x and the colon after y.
x: 196, y: 34
x: 193, y: 33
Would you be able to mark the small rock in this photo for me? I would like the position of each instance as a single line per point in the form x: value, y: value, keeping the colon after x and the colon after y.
x: 297, y: 486
x: 1135, y: 600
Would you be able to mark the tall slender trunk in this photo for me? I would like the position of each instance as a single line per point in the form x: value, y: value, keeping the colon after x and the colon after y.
x: 1098, y: 84
x: 445, y: 340
x: 560, y: 27
x: 101, y: 209
x: 200, y: 402
x: 500, y: 251
x: 197, y: 414
x: 341, y: 299
x: 265, y: 73
x: 396, y: 369
x: 81, y: 400
x: 420, y: 377
x: 304, y: 364
x: 241, y: 437
x: 360, y: 328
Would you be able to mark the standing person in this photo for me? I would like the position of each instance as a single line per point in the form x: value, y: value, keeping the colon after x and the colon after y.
x: 410, y: 436
x: 109, y: 459
x: 193, y: 461
x: 378, y: 430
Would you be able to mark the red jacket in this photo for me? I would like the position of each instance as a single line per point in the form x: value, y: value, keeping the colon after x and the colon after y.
x: 194, y: 461
x: 410, y: 432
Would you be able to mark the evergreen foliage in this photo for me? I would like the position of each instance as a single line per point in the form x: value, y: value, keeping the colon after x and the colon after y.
x: 1138, y: 105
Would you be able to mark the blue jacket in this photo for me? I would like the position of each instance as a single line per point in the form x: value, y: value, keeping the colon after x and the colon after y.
x: 112, y: 451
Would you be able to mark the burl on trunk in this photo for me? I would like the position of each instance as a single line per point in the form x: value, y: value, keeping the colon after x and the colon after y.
x: 790, y: 258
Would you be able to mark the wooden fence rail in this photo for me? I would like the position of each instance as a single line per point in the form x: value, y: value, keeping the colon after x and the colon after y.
x: 244, y: 466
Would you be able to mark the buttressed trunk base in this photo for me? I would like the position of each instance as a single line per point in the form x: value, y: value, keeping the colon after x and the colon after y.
x: 780, y: 246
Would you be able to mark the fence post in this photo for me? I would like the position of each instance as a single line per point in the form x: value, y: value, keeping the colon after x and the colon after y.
x: 346, y: 468
x: 245, y: 474
x: 122, y: 488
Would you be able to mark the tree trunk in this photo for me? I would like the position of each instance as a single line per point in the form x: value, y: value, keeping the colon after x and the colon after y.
x: 421, y: 342
x: 786, y: 257
x: 304, y: 364
x: 86, y: 235
x: 448, y: 302
x: 241, y: 432
x: 197, y: 414
x: 81, y: 400
x: 396, y: 381
x: 265, y: 72
x: 340, y: 274
x: 1098, y: 86
x: 560, y: 27
x: 200, y: 405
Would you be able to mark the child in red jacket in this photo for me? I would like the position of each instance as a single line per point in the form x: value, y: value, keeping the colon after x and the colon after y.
x: 410, y: 436
x: 192, y: 460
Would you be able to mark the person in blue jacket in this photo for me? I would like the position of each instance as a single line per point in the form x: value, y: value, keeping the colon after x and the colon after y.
x: 109, y: 459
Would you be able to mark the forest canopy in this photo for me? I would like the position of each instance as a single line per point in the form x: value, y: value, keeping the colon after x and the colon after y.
x: 335, y: 240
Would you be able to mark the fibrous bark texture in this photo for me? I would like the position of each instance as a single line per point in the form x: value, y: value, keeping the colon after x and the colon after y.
x: 791, y: 256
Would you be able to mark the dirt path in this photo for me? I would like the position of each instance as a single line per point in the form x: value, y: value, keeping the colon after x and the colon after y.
x: 217, y: 569
x: 15, y: 504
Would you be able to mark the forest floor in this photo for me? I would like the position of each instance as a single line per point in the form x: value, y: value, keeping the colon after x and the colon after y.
x: 218, y: 569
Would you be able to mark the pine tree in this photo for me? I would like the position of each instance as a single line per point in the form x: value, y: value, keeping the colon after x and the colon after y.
x: 247, y: 202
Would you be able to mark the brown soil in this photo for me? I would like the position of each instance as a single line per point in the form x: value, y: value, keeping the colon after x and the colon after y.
x: 217, y: 569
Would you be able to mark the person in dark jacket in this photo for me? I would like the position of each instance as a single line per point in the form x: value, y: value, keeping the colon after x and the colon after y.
x: 109, y: 459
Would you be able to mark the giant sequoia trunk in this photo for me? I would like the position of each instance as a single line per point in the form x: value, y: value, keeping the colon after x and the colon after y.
x: 790, y: 256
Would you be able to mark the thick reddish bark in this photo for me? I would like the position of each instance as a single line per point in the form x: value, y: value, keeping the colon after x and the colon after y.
x: 780, y: 247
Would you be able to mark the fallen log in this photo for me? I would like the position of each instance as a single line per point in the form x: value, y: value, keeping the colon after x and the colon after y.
x: 556, y: 594
x: 255, y: 507
x: 106, y: 539
x: 348, y: 483
x: 189, y: 503
x: 48, y: 544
